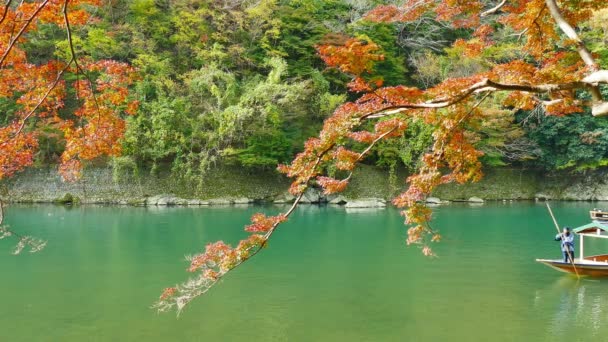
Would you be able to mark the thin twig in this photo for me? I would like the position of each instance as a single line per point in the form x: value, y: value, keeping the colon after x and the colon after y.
x: 20, y: 33
x: 493, y: 9
x: 6, y: 8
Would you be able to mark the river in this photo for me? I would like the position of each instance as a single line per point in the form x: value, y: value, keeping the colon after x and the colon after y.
x: 327, y: 275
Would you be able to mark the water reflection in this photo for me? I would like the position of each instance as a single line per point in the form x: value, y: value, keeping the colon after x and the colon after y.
x: 577, y: 306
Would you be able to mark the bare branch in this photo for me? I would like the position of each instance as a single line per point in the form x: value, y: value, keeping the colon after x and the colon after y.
x: 600, y: 109
x: 493, y: 9
x: 68, y: 30
x: 6, y: 8
x: 582, y: 49
x: 34, y: 244
x: 484, y: 86
x: 366, y: 151
x: 571, y: 33
x: 600, y: 76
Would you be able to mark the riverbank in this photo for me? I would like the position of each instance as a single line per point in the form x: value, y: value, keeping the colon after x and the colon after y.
x: 370, y: 186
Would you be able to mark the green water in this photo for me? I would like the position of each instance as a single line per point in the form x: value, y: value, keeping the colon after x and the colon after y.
x: 327, y: 276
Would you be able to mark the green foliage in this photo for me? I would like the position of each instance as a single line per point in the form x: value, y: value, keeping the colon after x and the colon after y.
x: 502, y: 140
x: 393, y: 68
x: 265, y: 150
x: 577, y: 141
x: 597, y: 36
x: 406, y: 149
x: 255, y: 121
x: 41, y: 47
x: 291, y: 29
x: 100, y: 44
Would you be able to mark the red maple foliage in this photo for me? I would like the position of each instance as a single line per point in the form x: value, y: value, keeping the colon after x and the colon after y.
x: 39, y: 91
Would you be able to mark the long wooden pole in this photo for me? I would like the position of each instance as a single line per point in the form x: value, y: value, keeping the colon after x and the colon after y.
x: 560, y: 233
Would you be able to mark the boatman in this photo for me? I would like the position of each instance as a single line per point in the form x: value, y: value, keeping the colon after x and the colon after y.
x: 567, y: 239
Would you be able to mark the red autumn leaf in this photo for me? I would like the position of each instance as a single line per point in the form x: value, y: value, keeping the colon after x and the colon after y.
x: 331, y: 185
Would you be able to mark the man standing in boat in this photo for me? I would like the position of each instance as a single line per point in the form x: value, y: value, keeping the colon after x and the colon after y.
x: 567, y: 239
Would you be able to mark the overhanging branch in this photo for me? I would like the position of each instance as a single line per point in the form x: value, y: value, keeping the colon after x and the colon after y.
x: 580, y: 45
x: 493, y: 9
x: 489, y: 86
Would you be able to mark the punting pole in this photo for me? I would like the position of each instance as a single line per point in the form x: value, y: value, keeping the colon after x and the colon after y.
x: 559, y: 233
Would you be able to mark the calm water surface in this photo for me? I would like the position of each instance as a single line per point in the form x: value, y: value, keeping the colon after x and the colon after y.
x: 327, y: 276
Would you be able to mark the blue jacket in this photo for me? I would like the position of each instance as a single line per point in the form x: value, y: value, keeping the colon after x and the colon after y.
x: 567, y: 241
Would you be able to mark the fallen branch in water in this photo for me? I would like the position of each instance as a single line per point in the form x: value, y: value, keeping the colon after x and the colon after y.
x: 34, y: 244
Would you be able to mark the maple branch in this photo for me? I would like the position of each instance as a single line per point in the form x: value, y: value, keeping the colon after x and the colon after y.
x: 488, y: 85
x: 20, y: 33
x: 493, y: 9
x: 73, y: 54
x: 449, y: 132
x: 520, y: 34
x: 571, y: 33
x: 540, y: 31
x: 198, y: 289
x: 44, y: 97
x: 34, y: 244
x: 79, y: 69
x: 73, y: 59
x: 297, y: 200
x: 69, y: 32
x: 366, y: 151
x: 6, y: 8
x: 580, y: 45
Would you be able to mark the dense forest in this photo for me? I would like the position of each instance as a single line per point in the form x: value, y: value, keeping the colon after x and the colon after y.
x: 242, y: 83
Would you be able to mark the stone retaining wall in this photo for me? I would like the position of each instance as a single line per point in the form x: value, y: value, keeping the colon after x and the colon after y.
x: 238, y: 186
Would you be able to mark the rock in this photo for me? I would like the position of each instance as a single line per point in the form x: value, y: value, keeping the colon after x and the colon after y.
x: 601, y: 192
x: 338, y: 200
x: 366, y: 203
x: 137, y: 202
x: 475, y: 200
x: 580, y: 190
x: 242, y: 200
x: 433, y: 200
x: 193, y: 202
x: 152, y: 200
x: 542, y: 197
x: 284, y: 198
x: 311, y: 196
x: 196, y: 202
x: 164, y: 201
x: 167, y: 200
x: 219, y: 201
x: 363, y: 210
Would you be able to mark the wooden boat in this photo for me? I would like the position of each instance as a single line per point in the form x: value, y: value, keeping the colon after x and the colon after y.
x: 599, y: 215
x: 592, y: 266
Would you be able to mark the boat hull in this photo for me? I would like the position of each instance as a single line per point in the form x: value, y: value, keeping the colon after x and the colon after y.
x: 583, y: 268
